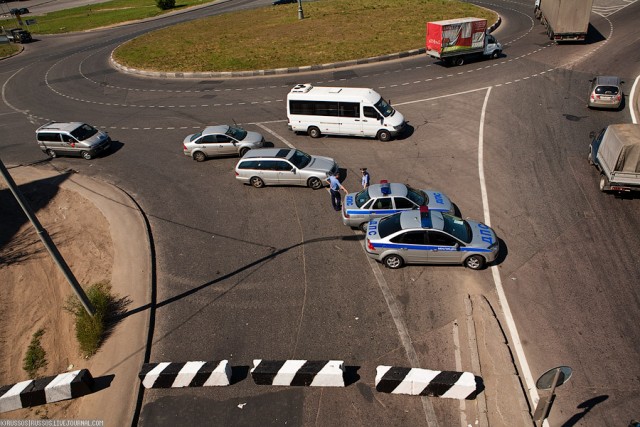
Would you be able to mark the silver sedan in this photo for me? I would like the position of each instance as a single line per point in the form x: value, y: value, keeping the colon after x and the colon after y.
x: 220, y: 140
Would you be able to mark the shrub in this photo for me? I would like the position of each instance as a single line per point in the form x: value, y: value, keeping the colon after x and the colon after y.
x: 90, y: 331
x: 166, y: 4
x: 35, y: 359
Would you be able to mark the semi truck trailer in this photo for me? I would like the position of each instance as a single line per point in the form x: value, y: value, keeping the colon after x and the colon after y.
x: 453, y: 41
x: 565, y: 20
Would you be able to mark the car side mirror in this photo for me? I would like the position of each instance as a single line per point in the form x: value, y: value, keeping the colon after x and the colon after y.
x: 293, y: 170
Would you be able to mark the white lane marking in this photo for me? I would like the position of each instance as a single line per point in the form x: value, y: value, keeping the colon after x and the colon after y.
x: 403, y: 332
x: 511, y: 325
x: 458, y: 358
x: 290, y: 145
x: 632, y: 95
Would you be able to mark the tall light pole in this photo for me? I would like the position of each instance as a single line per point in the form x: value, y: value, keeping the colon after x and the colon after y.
x: 46, y: 240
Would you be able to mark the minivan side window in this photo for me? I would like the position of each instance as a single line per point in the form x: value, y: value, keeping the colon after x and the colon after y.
x: 349, y: 109
x: 282, y: 166
x: 249, y: 164
x: 68, y: 138
x: 371, y: 112
x: 49, y: 137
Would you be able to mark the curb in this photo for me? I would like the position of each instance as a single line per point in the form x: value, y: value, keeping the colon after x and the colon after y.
x: 46, y: 390
x: 188, y: 374
x: 423, y: 382
x: 262, y: 73
x: 325, y: 373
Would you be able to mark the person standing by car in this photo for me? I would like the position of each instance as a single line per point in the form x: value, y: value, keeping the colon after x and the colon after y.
x: 334, y: 189
x: 366, y: 179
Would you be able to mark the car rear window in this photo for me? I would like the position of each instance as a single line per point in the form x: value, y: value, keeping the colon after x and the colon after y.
x: 362, y: 198
x: 606, y: 90
x: 389, y: 225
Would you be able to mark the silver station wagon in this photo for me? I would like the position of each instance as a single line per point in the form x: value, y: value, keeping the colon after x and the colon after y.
x: 220, y: 140
x: 429, y: 237
x: 284, y: 166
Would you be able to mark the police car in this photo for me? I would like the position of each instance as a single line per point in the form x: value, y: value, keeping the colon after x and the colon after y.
x: 429, y: 237
x: 388, y: 198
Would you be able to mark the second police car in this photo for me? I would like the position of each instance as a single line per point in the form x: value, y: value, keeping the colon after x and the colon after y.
x: 386, y: 198
x: 429, y: 237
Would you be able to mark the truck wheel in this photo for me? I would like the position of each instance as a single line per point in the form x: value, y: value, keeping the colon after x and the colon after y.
x: 314, y: 132
x: 590, y: 158
x: 604, y: 183
x: 460, y: 61
x: 384, y: 135
x: 495, y: 54
x: 51, y: 154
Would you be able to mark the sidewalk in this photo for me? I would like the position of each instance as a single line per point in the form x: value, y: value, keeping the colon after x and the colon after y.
x: 119, y: 359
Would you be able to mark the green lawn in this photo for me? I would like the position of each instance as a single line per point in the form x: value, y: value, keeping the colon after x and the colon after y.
x: 274, y: 37
x: 97, y: 15
x: 8, y: 49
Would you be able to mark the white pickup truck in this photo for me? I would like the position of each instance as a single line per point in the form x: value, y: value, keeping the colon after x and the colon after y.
x: 615, y: 151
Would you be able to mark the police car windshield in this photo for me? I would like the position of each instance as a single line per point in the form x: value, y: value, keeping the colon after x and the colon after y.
x: 236, y: 133
x: 417, y: 196
x: 362, y: 198
x: 300, y: 159
x: 457, y: 227
x: 384, y: 108
x: 84, y: 132
x: 389, y: 225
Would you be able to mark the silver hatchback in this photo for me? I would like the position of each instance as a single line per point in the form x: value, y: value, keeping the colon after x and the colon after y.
x: 220, y: 140
x: 605, y: 92
x: 284, y: 166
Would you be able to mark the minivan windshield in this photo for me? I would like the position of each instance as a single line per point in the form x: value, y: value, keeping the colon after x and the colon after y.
x: 84, y: 132
x: 236, y: 133
x: 300, y: 159
x: 384, y: 108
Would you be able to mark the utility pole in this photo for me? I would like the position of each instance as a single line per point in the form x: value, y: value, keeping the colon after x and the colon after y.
x: 46, y: 240
x: 300, y: 12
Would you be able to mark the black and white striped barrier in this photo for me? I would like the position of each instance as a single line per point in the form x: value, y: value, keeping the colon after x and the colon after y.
x: 187, y: 374
x: 423, y: 382
x: 314, y: 373
x: 496, y: 24
x: 46, y: 390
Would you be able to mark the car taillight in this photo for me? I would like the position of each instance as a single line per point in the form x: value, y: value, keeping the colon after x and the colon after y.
x: 237, y: 174
x: 618, y: 97
x: 184, y: 147
x: 344, y: 212
x: 369, y: 245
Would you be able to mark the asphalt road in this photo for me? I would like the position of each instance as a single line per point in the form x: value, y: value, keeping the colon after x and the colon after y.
x: 245, y: 273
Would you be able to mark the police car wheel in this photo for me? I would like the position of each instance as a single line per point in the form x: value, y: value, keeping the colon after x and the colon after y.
x: 86, y: 155
x: 314, y: 183
x: 384, y: 135
x: 257, y: 182
x: 474, y: 262
x: 363, y: 226
x: 51, y: 154
x: 314, y: 132
x: 393, y: 261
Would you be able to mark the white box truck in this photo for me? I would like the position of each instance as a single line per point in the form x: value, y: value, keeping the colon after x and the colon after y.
x: 455, y: 40
x: 565, y: 20
x: 342, y: 111
x: 615, y: 151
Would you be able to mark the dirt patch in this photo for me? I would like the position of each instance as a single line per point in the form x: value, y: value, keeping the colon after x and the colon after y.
x: 33, y: 291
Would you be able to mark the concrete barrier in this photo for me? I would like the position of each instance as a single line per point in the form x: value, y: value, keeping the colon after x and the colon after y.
x: 187, y: 374
x: 423, y: 382
x: 46, y: 390
x: 313, y: 373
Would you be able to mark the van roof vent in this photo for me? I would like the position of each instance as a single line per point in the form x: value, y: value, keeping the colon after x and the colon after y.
x: 335, y: 90
x: 302, y: 88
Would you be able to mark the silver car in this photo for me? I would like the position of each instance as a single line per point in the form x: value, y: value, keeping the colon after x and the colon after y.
x: 220, y: 140
x: 386, y: 198
x: 284, y: 166
x: 429, y: 237
x: 72, y: 139
x: 605, y: 92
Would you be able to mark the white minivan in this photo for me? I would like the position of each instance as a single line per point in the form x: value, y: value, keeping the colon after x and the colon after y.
x: 342, y: 111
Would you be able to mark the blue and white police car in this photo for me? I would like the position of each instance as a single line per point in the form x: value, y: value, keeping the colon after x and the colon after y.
x: 388, y: 198
x: 429, y: 237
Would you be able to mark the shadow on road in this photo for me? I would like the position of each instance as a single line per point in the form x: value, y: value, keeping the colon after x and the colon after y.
x: 586, y: 407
